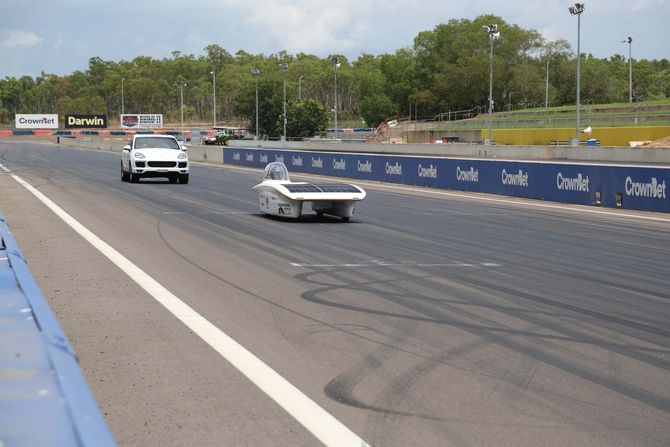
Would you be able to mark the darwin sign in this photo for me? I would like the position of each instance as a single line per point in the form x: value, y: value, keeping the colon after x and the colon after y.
x: 85, y: 121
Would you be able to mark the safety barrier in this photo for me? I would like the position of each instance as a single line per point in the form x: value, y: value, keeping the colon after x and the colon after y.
x: 614, y: 186
x: 86, y: 132
x: 44, y: 398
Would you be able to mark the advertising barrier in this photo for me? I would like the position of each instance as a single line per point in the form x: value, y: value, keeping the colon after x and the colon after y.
x: 85, y: 121
x: 141, y: 121
x: 614, y: 186
x: 36, y: 121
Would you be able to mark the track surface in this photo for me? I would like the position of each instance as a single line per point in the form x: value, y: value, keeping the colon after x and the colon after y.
x: 429, y: 319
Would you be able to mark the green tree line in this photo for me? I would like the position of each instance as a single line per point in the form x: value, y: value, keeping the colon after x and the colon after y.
x: 446, y: 69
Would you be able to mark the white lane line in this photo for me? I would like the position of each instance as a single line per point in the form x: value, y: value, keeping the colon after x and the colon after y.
x: 205, y: 213
x: 5, y: 169
x: 318, y: 421
x: 396, y: 264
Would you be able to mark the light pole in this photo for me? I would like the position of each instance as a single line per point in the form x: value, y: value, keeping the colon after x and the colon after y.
x: 577, y: 10
x: 256, y: 72
x: 213, y: 73
x: 546, y: 87
x: 492, y: 31
x: 284, y: 67
x: 629, y: 41
x: 336, y: 65
x: 300, y: 88
x: 122, y: 79
x: 182, y: 84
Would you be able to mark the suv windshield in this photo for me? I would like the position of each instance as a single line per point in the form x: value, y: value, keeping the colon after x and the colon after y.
x: 156, y: 142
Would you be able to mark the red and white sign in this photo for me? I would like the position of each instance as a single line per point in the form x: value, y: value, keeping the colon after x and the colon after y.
x: 141, y: 121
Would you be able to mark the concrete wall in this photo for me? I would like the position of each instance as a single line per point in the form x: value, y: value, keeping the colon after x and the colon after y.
x: 195, y: 153
x: 464, y: 150
x: 426, y: 136
x: 587, y: 154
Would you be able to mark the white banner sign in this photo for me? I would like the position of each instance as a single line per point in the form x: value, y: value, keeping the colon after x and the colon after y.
x: 36, y: 121
x: 142, y: 121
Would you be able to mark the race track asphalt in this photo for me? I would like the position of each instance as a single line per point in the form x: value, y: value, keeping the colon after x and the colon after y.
x: 432, y: 318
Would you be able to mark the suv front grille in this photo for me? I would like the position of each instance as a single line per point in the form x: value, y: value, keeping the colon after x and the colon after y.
x: 162, y: 164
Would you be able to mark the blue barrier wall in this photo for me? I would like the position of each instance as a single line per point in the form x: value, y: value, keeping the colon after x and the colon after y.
x: 44, y: 398
x: 639, y: 188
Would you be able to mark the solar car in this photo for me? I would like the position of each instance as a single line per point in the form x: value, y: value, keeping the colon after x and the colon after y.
x: 279, y: 196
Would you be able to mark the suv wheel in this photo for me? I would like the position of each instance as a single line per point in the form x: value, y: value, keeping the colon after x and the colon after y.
x: 124, y: 174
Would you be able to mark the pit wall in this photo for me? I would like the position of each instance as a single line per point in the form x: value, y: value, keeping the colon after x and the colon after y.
x: 630, y: 187
x: 465, y: 150
x: 212, y: 154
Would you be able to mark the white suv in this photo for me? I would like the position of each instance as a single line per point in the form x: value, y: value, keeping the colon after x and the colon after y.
x: 154, y: 156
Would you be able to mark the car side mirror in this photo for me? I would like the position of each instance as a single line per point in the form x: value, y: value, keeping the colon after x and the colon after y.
x: 183, y: 148
x: 126, y: 147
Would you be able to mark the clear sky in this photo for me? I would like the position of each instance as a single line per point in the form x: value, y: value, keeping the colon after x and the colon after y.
x: 60, y: 36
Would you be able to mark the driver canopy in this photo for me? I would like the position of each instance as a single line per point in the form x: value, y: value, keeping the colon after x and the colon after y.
x: 276, y: 171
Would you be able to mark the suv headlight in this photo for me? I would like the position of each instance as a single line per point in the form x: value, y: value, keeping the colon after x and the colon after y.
x: 139, y: 155
x: 182, y: 156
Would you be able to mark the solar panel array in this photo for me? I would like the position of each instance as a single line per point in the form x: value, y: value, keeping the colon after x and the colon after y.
x: 336, y: 187
x: 320, y: 187
x: 305, y: 187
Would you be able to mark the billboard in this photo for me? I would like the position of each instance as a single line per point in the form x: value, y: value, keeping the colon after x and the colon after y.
x: 85, y: 121
x: 36, y: 121
x: 141, y: 121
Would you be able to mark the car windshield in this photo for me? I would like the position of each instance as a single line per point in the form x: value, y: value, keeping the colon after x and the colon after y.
x: 156, y: 142
x: 276, y: 171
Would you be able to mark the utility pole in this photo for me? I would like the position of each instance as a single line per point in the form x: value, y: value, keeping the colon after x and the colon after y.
x: 546, y: 87
x: 182, y: 84
x: 300, y: 88
x: 577, y: 10
x: 213, y: 73
x: 284, y: 67
x: 256, y: 72
x: 122, y: 79
x: 492, y: 31
x: 629, y: 41
x: 336, y: 65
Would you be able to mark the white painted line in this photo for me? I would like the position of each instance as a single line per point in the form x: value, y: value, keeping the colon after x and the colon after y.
x: 529, y: 202
x: 5, y: 169
x: 204, y: 213
x: 372, y: 264
x: 318, y: 421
